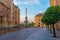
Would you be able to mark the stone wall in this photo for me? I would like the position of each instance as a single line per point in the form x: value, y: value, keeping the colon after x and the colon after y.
x: 11, y: 13
x: 9, y: 29
x: 4, y: 14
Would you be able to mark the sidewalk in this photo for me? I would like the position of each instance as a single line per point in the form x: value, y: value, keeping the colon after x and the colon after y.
x: 19, y: 35
x: 58, y: 36
x: 42, y: 34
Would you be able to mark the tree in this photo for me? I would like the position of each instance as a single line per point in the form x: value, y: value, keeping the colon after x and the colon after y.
x: 21, y: 24
x: 31, y: 24
x: 52, y: 16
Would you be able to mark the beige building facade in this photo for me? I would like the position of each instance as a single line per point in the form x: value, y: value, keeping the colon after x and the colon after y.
x: 9, y: 13
x: 54, y: 2
x: 37, y: 20
x: 16, y: 15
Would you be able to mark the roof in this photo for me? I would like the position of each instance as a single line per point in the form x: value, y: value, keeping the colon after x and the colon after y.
x: 39, y: 14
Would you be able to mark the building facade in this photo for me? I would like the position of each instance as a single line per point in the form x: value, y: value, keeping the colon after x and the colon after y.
x: 56, y: 3
x: 37, y: 20
x: 9, y: 13
x: 16, y: 15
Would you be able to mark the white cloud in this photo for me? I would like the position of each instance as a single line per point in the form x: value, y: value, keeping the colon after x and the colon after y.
x: 15, y: 2
x: 26, y: 2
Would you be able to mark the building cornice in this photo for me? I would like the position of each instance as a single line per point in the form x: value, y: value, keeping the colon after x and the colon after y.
x: 4, y: 5
x: 15, y: 6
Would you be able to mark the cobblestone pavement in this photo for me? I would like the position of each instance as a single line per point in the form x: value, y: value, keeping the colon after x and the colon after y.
x: 27, y: 34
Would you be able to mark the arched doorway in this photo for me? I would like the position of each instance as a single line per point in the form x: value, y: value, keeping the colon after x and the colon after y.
x: 39, y: 24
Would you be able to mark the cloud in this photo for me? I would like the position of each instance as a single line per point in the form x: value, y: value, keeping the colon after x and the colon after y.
x: 17, y: 2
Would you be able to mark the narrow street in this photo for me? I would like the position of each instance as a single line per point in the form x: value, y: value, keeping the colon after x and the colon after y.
x: 28, y: 34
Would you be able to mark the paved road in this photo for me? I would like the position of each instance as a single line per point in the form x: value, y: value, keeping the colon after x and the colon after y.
x: 41, y: 34
x: 27, y: 34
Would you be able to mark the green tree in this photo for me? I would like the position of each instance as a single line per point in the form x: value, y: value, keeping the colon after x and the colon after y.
x: 21, y: 24
x: 52, y: 16
x: 31, y: 24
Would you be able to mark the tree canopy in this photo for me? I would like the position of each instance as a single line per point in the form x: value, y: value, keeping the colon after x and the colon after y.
x: 52, y: 15
x: 31, y: 24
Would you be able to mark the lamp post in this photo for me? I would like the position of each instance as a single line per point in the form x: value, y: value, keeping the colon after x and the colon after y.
x: 26, y: 21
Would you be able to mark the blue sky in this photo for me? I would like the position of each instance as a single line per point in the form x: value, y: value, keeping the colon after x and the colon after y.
x: 34, y: 7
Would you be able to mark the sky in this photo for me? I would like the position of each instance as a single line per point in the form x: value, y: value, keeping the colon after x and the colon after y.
x: 34, y: 7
